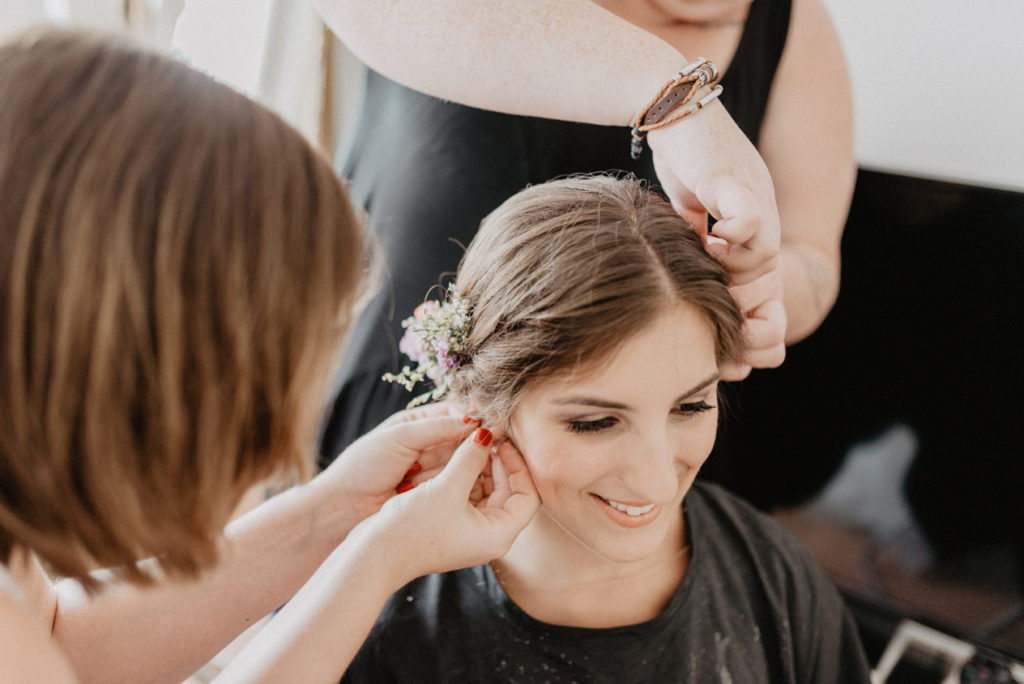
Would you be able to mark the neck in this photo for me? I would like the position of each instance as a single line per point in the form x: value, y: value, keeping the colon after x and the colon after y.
x: 555, y: 579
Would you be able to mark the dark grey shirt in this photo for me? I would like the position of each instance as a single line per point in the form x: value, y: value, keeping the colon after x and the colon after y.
x: 753, y: 607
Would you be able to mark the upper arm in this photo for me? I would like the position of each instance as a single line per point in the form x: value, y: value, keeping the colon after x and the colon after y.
x: 27, y: 654
x: 40, y: 595
x: 807, y: 144
x: 27, y: 651
x: 807, y: 136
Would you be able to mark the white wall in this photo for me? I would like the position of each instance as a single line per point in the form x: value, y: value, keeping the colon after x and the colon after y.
x: 938, y: 86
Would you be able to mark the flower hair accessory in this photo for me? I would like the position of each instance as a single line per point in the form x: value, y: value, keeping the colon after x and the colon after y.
x: 435, y: 338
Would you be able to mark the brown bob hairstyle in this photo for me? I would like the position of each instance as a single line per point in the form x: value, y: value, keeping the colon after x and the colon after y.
x: 560, y: 275
x: 178, y: 270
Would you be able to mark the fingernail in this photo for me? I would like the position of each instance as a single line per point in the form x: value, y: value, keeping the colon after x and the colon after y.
x: 416, y: 467
x: 482, y: 436
x: 404, y: 486
x: 469, y: 419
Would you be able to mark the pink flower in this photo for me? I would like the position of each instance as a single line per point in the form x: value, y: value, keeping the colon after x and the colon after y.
x: 411, y: 346
x: 427, y: 307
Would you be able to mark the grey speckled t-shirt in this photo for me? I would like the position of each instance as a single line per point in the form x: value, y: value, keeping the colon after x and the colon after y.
x: 753, y: 607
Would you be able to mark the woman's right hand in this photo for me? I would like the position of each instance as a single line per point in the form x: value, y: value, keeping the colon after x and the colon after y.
x: 706, y: 165
x: 469, y: 513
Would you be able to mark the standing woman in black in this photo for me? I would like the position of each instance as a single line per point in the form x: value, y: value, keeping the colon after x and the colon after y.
x: 428, y: 170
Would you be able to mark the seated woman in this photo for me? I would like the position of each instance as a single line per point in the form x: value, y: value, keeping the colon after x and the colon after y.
x: 589, y: 320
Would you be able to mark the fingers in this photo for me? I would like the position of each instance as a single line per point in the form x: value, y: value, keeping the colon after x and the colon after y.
x: 743, y: 218
x: 744, y: 262
x: 765, y: 330
x: 766, y: 333
x: 734, y: 371
x: 420, y: 434
x: 514, y: 490
x: 755, y: 293
x: 469, y: 460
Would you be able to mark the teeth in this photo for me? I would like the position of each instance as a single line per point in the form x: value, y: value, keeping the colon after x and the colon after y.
x: 630, y: 510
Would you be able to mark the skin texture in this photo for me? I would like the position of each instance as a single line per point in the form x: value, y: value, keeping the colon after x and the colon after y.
x: 652, y: 410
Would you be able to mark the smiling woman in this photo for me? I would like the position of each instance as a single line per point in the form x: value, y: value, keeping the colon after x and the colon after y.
x: 612, y: 452
x: 597, y: 323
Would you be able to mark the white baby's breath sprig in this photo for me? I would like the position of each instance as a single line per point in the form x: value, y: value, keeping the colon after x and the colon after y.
x: 435, y: 339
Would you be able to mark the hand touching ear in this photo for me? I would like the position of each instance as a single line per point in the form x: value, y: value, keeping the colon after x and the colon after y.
x: 366, y: 474
x: 469, y: 513
x: 707, y: 166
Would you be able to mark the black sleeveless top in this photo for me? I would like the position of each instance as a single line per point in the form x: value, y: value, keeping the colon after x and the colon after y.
x: 427, y: 171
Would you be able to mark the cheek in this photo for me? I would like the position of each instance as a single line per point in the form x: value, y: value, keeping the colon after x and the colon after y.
x: 697, y: 443
x: 557, y: 465
x: 547, y: 462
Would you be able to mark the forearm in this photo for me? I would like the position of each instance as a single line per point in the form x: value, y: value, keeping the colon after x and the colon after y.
x: 166, y: 632
x: 315, y: 637
x: 810, y: 281
x: 567, y: 60
x: 454, y: 520
x: 807, y: 143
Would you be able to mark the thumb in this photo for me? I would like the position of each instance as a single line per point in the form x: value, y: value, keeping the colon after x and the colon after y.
x: 422, y: 433
x: 469, y: 460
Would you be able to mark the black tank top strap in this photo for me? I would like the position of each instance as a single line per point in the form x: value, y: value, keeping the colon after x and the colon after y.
x: 748, y: 82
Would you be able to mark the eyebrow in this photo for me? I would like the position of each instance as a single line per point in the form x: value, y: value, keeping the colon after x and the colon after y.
x: 597, y: 402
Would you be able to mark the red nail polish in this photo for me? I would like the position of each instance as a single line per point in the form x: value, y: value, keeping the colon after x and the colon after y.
x: 416, y: 467
x: 482, y: 436
x: 468, y: 419
x: 404, y: 486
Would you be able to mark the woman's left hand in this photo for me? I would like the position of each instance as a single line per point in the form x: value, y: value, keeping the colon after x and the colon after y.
x: 469, y: 513
x: 366, y: 474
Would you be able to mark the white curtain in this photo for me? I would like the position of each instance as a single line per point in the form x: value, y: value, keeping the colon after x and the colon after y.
x: 280, y: 53
x: 151, y: 19
x: 276, y: 51
x: 272, y: 50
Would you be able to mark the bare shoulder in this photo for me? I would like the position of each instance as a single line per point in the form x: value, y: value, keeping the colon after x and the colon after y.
x: 26, y: 651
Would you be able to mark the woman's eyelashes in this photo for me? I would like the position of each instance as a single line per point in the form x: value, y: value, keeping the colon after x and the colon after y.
x: 685, y: 409
x: 695, y: 407
x: 580, y: 426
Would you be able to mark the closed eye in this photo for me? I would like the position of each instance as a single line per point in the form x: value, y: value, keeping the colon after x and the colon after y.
x: 695, y: 407
x: 581, y: 426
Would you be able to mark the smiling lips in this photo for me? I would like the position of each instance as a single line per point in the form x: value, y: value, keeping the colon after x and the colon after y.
x: 628, y: 515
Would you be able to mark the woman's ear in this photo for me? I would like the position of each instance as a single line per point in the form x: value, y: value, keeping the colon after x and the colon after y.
x: 509, y: 424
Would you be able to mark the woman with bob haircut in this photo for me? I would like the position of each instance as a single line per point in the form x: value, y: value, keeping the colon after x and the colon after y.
x: 589, y: 320
x: 179, y: 269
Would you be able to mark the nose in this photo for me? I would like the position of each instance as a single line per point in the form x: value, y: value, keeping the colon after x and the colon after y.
x: 650, y: 471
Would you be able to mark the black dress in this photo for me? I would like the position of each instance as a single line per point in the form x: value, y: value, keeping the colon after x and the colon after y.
x: 427, y: 171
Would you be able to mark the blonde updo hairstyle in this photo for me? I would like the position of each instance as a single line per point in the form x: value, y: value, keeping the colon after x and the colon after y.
x: 178, y: 270
x: 563, y: 272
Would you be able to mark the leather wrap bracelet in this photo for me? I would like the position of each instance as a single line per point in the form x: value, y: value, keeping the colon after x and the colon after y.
x: 676, y: 99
